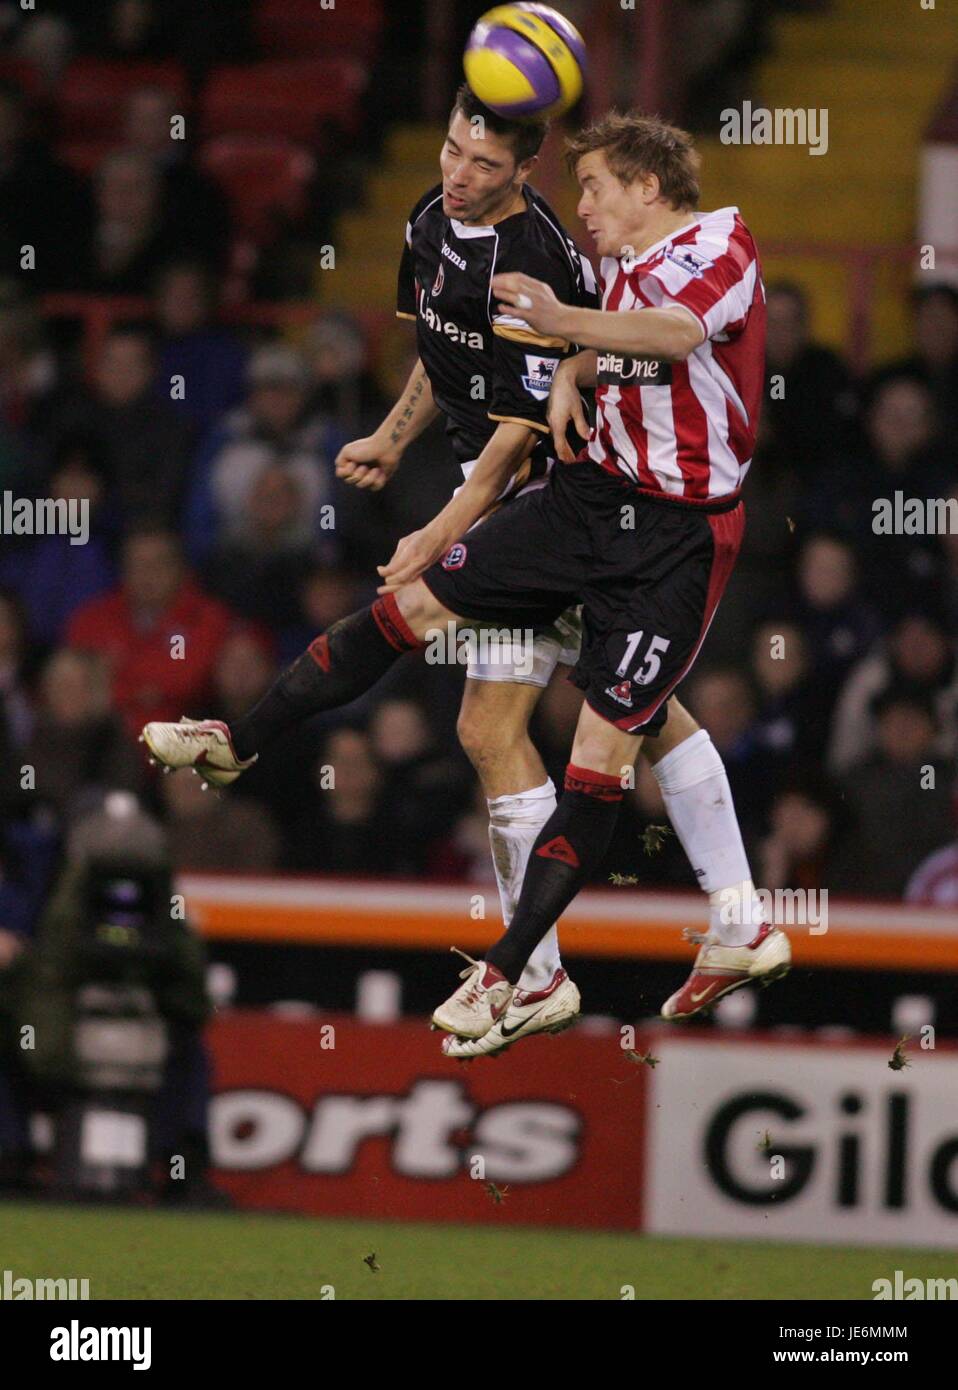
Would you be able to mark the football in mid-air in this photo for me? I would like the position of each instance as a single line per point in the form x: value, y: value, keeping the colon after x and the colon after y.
x: 525, y: 61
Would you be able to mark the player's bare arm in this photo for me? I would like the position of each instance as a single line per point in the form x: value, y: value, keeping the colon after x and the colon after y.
x: 508, y: 448
x: 660, y: 334
x: 565, y: 402
x: 371, y: 462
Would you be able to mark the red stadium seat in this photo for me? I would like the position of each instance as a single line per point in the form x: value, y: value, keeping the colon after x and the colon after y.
x: 93, y: 92
x: 84, y: 156
x: 296, y: 100
x: 284, y: 27
x: 262, y: 176
x: 23, y: 74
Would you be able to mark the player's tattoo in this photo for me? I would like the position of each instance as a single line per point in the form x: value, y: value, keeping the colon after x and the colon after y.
x: 402, y: 424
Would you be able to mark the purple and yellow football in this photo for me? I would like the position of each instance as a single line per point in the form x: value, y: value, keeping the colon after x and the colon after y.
x: 525, y: 60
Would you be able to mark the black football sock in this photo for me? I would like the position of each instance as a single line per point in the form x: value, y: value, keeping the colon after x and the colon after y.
x: 340, y: 665
x: 569, y: 848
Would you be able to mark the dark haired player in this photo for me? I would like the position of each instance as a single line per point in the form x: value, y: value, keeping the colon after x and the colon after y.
x: 679, y: 384
x: 488, y: 374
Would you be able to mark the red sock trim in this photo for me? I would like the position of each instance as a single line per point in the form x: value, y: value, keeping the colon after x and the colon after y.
x: 602, y: 785
x: 393, y: 625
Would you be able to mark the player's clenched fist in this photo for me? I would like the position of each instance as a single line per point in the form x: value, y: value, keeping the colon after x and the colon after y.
x: 565, y: 407
x: 367, y: 463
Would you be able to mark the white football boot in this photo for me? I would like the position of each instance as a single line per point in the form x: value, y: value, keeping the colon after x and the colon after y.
x: 205, y: 745
x: 548, y: 1010
x: 719, y: 969
x: 476, y: 1005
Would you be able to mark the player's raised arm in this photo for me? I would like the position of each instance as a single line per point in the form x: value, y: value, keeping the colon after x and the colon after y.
x: 507, y: 449
x: 371, y: 462
x: 668, y: 334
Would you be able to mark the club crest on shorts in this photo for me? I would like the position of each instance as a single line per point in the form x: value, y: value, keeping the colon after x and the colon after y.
x: 621, y: 692
x: 455, y: 557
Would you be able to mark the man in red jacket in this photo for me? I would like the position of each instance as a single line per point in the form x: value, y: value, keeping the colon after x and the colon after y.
x: 159, y: 632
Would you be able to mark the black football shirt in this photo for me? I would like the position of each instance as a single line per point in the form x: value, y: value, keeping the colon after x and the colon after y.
x: 485, y: 366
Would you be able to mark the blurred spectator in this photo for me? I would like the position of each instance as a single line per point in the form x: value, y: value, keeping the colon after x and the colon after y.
x: 78, y: 743
x: 425, y: 785
x: 29, y: 845
x: 193, y: 211
x: 324, y: 596
x: 347, y: 392
x: 159, y: 632
x: 464, y: 854
x: 208, y: 832
x: 721, y: 41
x: 143, y: 443
x: 129, y: 238
x: 935, y: 882
x: 839, y: 627
x: 52, y: 576
x: 134, y: 29
x: 791, y: 722
x: 898, y: 815
x: 16, y: 715
x: 428, y: 472
x: 904, y: 454
x: 918, y: 656
x: 29, y: 842
x: 935, y: 359
x: 723, y: 701
x: 759, y: 582
x: 260, y: 570
x: 40, y: 198
x: 245, y: 669
x: 811, y: 419
x: 900, y: 451
x: 651, y: 849
x: 343, y: 385
x: 949, y: 571
x: 155, y: 29
x: 805, y: 823
x: 28, y: 369
x: 346, y: 831
x: 273, y: 429
x: 45, y: 41
x: 210, y: 359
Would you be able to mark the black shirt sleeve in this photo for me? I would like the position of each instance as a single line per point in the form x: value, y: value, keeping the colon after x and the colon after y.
x: 406, y: 288
x: 525, y: 361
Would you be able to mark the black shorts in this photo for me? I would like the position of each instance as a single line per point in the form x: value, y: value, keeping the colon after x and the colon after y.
x: 648, y: 571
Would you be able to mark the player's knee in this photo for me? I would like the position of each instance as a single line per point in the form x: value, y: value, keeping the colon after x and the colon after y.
x: 486, y: 739
x: 420, y: 608
x: 471, y: 728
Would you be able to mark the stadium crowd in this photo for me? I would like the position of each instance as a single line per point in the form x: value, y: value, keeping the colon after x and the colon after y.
x: 829, y: 682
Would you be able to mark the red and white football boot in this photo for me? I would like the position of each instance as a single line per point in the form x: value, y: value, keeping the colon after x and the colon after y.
x: 548, y: 1010
x: 477, y: 1004
x: 205, y: 745
x: 719, y: 969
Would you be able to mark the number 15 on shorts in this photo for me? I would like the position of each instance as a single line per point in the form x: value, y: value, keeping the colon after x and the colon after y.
x: 651, y: 662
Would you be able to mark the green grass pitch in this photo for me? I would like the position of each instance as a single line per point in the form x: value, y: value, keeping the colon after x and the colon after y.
x: 147, y: 1254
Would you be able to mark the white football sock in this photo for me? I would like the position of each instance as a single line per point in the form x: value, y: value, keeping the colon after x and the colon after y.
x: 698, y: 798
x: 514, y: 825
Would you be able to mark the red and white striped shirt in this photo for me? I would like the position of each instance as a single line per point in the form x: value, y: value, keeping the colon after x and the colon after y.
x: 686, y: 428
